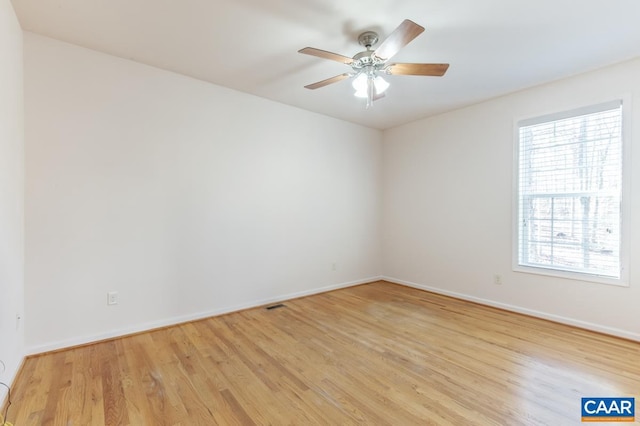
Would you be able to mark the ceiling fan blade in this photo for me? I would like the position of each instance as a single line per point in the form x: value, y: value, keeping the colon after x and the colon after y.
x: 326, y: 55
x: 436, y: 70
x: 326, y: 82
x: 399, y: 38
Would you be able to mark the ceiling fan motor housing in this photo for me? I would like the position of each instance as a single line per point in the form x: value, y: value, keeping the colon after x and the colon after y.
x: 366, y: 59
x: 368, y: 39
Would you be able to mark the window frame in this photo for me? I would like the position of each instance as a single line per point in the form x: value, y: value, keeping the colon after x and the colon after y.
x: 625, y: 201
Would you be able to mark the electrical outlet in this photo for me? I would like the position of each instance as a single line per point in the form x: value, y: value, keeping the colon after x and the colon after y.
x: 334, y: 266
x: 497, y: 279
x: 112, y: 298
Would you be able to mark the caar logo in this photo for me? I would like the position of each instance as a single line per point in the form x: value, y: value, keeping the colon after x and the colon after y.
x: 608, y: 409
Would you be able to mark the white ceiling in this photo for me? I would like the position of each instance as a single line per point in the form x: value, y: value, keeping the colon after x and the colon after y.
x: 494, y: 46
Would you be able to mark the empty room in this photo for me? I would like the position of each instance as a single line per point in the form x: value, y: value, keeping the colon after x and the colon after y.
x: 319, y: 212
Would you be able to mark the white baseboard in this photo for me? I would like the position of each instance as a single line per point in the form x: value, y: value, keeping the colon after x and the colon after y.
x: 52, y: 346
x: 77, y: 341
x: 538, y: 314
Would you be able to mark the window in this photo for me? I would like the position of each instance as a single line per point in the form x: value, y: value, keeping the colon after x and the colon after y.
x: 569, y: 184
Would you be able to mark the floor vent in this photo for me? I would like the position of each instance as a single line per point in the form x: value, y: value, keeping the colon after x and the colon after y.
x: 279, y: 305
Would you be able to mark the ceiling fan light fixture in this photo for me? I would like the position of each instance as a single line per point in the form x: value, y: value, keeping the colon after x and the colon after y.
x: 361, y: 93
x: 381, y: 85
x: 360, y: 83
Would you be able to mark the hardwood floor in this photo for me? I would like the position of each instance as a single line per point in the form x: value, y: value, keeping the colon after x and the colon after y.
x: 373, y: 354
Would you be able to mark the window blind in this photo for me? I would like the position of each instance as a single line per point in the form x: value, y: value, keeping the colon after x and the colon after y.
x: 569, y: 191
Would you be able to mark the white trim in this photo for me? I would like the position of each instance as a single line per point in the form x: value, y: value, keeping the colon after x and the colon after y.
x: 147, y: 326
x: 52, y: 346
x: 518, y: 309
x: 573, y: 112
x: 573, y: 275
x: 625, y: 229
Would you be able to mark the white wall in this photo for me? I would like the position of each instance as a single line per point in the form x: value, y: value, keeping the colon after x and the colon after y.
x: 190, y: 199
x: 11, y: 195
x: 447, y: 206
x: 187, y: 198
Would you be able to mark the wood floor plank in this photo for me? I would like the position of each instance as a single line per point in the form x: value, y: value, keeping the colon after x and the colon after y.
x: 372, y: 354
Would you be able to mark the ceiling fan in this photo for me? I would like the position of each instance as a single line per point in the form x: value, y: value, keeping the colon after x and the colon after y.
x: 369, y: 64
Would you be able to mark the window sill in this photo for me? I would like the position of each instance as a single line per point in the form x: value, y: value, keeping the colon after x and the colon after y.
x: 618, y: 282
